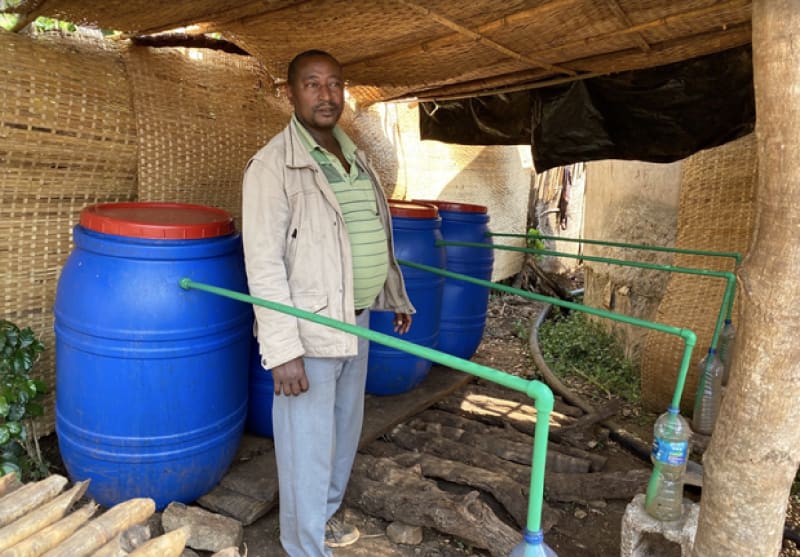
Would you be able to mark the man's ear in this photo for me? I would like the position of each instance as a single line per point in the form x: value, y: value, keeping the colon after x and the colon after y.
x: 284, y: 87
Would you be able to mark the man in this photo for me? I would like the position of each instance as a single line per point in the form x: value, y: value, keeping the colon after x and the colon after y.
x: 317, y: 236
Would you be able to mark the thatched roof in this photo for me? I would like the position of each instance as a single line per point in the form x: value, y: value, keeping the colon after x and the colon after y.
x: 440, y: 48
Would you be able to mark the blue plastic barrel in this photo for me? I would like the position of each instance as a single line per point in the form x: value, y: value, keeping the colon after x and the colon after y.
x: 416, y: 228
x: 464, y: 304
x: 151, y: 379
x: 262, y: 389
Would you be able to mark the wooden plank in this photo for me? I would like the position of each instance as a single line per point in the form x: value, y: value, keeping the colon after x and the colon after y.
x: 382, y: 413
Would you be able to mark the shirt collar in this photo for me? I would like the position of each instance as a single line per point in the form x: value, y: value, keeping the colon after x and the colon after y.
x: 347, y: 145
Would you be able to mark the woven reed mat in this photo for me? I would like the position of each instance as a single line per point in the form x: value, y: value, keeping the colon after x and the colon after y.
x: 200, y: 115
x: 717, y: 213
x: 67, y: 140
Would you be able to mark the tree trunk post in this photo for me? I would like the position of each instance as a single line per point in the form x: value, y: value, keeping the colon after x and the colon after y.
x: 754, y: 452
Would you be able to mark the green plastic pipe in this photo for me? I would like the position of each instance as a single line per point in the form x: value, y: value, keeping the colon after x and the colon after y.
x: 688, y: 336
x: 538, y: 391
x: 727, y: 298
x: 737, y: 257
x: 726, y: 307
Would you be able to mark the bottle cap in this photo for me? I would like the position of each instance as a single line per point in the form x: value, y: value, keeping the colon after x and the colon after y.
x: 673, y: 410
x: 712, y: 351
x: 534, y: 538
x: 727, y: 321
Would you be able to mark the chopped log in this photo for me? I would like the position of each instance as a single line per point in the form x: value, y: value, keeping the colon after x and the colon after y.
x: 29, y: 496
x: 498, y: 391
x: 592, y: 487
x: 49, y: 537
x: 506, y: 491
x: 507, y: 432
x: 8, y: 483
x: 170, y: 544
x: 125, y: 542
x: 99, y: 531
x: 610, y: 409
x: 498, y: 411
x: 521, y: 453
x: 40, y: 518
x: 382, y: 488
x: 436, y: 445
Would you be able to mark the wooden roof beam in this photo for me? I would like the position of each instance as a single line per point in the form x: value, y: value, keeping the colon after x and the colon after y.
x: 483, y: 39
x: 496, y: 25
x: 626, y: 60
x: 210, y: 21
x: 626, y: 21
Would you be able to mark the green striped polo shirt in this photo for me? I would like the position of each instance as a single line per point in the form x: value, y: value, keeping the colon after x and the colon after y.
x: 356, y: 196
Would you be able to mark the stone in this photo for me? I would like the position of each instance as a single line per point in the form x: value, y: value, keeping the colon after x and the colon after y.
x: 209, y: 531
x: 189, y: 553
x: 402, y: 533
x: 644, y: 536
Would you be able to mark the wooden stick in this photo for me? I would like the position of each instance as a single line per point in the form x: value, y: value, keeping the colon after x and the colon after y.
x: 99, y: 531
x: 623, y: 17
x: 28, y: 497
x: 41, y: 517
x: 485, y: 40
x: 125, y: 542
x: 9, y: 483
x: 170, y: 544
x: 46, y: 539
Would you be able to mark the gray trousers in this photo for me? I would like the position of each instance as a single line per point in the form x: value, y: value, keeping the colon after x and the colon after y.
x: 316, y: 439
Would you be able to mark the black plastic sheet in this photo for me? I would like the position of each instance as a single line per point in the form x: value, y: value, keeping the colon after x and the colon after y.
x: 660, y: 114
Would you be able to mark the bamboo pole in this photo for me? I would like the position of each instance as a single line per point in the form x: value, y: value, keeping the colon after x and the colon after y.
x: 99, y: 531
x: 36, y: 544
x: 28, y: 497
x: 40, y: 518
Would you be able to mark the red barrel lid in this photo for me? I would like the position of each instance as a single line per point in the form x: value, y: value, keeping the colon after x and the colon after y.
x: 163, y: 221
x: 412, y: 210
x: 455, y: 206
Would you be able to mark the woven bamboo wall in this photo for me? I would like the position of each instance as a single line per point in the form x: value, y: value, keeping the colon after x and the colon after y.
x: 716, y: 212
x: 67, y: 140
x: 200, y: 115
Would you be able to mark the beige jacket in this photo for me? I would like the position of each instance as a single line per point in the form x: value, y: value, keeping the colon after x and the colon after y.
x: 297, y: 252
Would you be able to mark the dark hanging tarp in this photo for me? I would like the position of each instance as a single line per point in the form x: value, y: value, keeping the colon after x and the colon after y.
x: 659, y: 115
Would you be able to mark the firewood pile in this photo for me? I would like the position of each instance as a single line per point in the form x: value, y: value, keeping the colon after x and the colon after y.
x: 43, y: 519
x: 482, y: 438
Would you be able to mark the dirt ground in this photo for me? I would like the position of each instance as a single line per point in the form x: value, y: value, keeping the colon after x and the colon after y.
x: 589, y: 529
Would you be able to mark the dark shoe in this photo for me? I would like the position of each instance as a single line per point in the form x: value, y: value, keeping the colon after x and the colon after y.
x: 339, y: 534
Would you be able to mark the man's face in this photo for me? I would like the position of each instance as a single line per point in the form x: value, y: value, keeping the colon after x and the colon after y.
x: 317, y: 92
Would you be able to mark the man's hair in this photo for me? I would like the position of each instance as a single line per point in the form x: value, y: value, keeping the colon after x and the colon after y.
x: 302, y: 56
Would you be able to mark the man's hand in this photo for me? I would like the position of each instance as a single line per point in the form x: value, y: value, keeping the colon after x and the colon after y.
x: 290, y: 378
x: 402, y: 323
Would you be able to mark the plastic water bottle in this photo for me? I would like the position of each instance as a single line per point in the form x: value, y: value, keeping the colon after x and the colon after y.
x: 533, y: 546
x: 709, y: 395
x: 727, y: 338
x: 664, y: 499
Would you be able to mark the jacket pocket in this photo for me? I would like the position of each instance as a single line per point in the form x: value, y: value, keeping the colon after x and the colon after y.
x: 312, y: 301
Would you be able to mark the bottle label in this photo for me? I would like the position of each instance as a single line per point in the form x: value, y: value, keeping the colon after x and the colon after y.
x: 673, y: 453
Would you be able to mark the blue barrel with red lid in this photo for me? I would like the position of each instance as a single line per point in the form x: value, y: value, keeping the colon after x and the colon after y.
x: 151, y: 379
x: 464, y: 304
x: 415, y: 230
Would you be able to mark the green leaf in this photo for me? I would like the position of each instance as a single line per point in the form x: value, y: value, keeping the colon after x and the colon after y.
x: 17, y: 412
x: 14, y: 428
x: 35, y: 410
x: 41, y: 386
x: 4, y: 406
x: 5, y: 435
x: 8, y: 467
